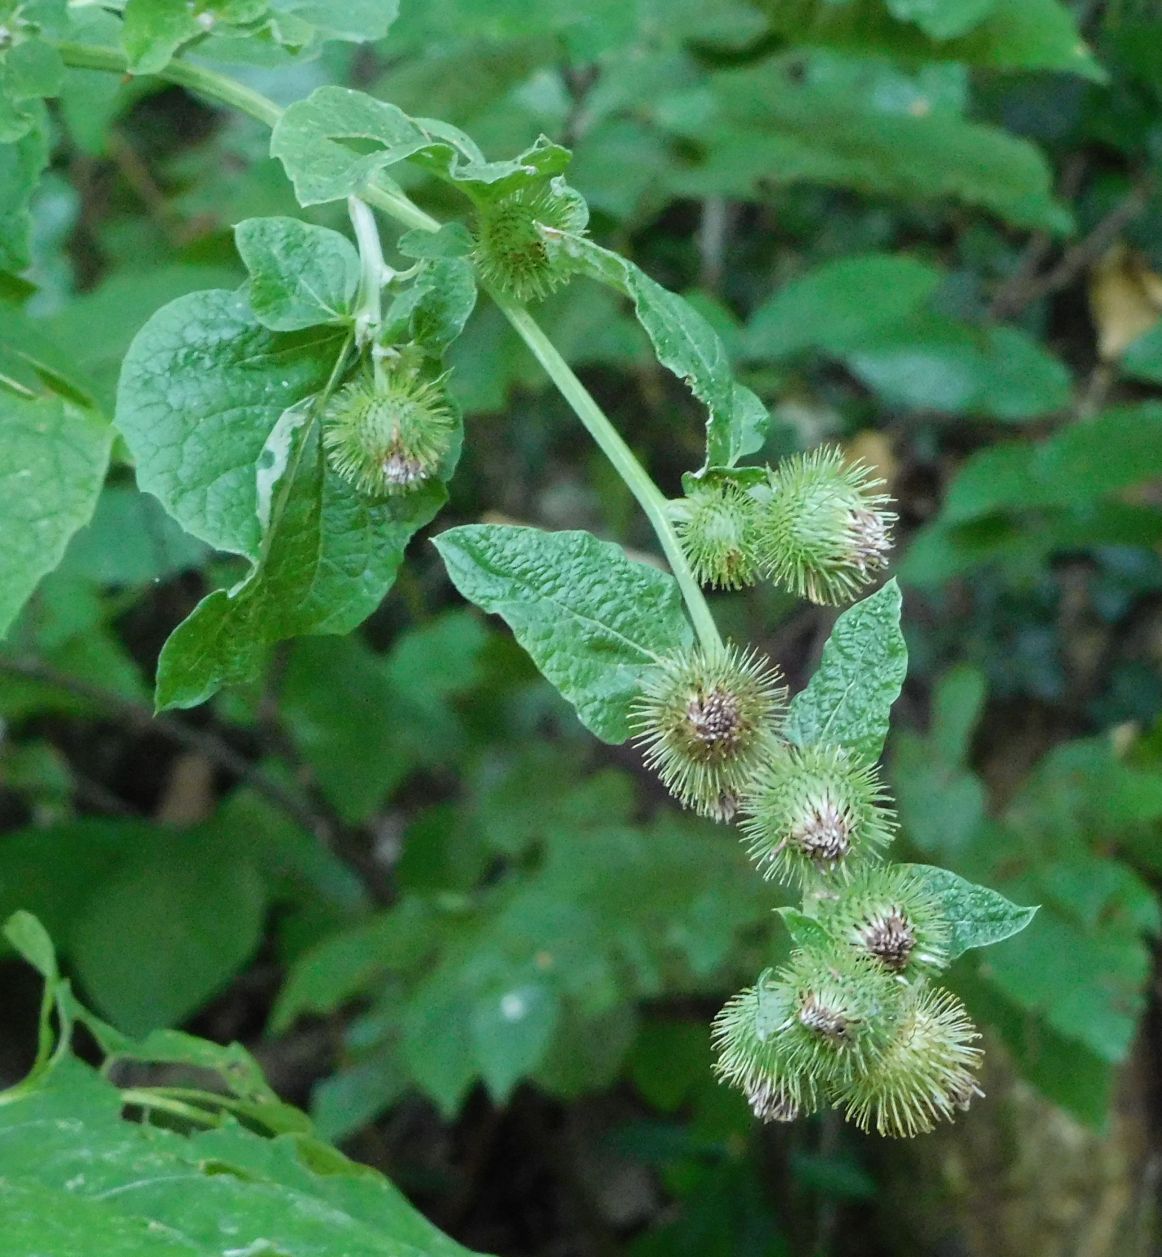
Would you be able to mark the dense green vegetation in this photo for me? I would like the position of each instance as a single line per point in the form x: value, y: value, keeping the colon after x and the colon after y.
x: 331, y: 859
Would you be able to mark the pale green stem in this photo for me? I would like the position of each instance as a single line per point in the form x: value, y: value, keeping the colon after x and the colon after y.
x: 229, y: 92
x: 624, y: 462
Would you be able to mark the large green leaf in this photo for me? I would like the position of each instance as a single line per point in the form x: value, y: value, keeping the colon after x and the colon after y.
x: 592, y: 620
x: 848, y: 700
x: 760, y: 127
x: 155, y: 29
x: 329, y: 556
x: 1083, y: 461
x: 53, y: 457
x: 942, y: 19
x: 840, y: 304
x: 937, y: 363
x: 156, y: 921
x: 78, y: 1178
x: 201, y: 388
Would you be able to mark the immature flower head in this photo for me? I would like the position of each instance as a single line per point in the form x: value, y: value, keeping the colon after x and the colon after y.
x: 813, y: 811
x: 511, y: 250
x: 706, y: 722
x: 887, y: 913
x: 388, y: 436
x: 840, y: 1013
x: 716, y: 525
x: 825, y: 530
x: 925, y: 1074
x: 750, y: 1056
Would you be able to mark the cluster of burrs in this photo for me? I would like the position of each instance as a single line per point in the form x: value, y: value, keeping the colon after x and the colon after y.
x: 815, y: 525
x: 852, y: 1019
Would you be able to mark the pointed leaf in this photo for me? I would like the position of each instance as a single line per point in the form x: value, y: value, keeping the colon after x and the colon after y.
x: 976, y: 915
x: 53, y: 457
x: 848, y: 700
x: 592, y: 619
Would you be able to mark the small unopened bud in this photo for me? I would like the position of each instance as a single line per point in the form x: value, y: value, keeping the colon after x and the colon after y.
x: 707, y: 723
x: 825, y: 530
x: 887, y: 913
x: 926, y: 1073
x: 717, y: 527
x: 511, y: 244
x: 810, y: 810
x: 388, y: 436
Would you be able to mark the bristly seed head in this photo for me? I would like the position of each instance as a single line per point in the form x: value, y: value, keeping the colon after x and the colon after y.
x: 842, y: 1010
x: 512, y: 250
x: 887, y: 912
x: 750, y: 1055
x: 717, y: 526
x: 390, y: 435
x: 825, y: 530
x: 810, y: 811
x: 926, y: 1073
x: 706, y: 723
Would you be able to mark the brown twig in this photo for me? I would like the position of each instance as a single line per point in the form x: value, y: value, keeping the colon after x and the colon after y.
x: 215, y: 748
x: 1025, y: 287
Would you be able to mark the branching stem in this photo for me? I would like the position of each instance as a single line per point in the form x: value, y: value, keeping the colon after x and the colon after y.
x: 227, y: 91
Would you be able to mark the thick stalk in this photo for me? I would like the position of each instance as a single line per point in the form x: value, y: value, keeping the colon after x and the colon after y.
x: 229, y: 92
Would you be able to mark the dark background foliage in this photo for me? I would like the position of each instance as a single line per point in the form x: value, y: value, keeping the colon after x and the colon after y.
x: 482, y: 948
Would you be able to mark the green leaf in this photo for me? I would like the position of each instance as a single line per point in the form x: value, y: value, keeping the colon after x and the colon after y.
x: 935, y: 363
x: 452, y: 240
x: 201, y: 389
x: 433, y: 309
x: 1143, y: 358
x: 847, y: 701
x: 805, y: 931
x: 1088, y: 985
x: 353, y: 20
x: 300, y: 275
x: 765, y: 129
x: 328, y: 559
x: 684, y: 343
x: 168, y: 930
x: 942, y: 19
x: 322, y: 142
x: 976, y: 915
x: 79, y: 1179
x: 31, y: 940
x: 840, y: 304
x: 21, y: 164
x: 1083, y: 461
x: 511, y: 1032
x: 29, y: 71
x: 592, y: 620
x: 154, y: 30
x: 53, y: 457
x: 1033, y: 35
